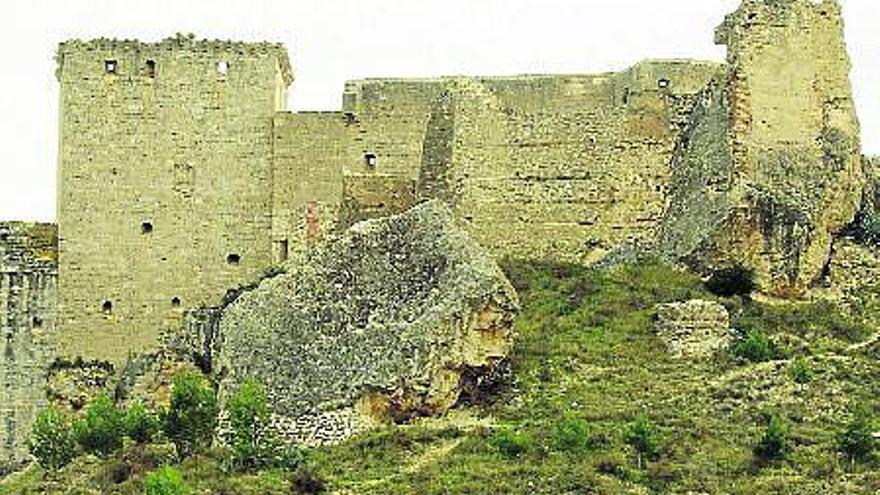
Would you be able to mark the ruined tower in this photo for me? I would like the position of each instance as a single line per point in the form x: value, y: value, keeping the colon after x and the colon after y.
x: 794, y: 137
x: 165, y: 183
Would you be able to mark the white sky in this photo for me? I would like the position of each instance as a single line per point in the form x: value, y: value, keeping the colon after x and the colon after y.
x: 334, y: 40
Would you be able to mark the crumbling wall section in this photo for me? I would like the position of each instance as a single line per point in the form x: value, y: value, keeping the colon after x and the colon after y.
x: 28, y: 276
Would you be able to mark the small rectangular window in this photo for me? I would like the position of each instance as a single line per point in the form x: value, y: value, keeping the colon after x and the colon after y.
x: 151, y: 68
x: 370, y: 160
x: 111, y: 66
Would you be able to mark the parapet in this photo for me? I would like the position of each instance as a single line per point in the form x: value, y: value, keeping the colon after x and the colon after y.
x: 178, y: 43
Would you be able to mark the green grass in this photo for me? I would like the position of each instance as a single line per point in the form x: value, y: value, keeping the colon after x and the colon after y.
x: 586, y: 363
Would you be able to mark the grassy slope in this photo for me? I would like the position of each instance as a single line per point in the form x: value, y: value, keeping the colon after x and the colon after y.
x: 585, y: 351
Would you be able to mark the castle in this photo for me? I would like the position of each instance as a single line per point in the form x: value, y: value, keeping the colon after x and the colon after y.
x: 181, y: 175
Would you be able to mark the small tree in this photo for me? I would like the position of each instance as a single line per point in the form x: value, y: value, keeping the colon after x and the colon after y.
x: 192, y: 414
x: 572, y: 435
x: 510, y: 443
x: 165, y: 481
x: 644, y: 438
x: 756, y: 346
x: 52, y: 441
x: 140, y: 424
x: 252, y: 437
x: 775, y: 443
x: 101, y: 429
x: 856, y: 441
x: 800, y: 371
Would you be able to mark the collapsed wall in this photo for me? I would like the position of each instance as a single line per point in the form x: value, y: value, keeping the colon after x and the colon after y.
x: 28, y: 276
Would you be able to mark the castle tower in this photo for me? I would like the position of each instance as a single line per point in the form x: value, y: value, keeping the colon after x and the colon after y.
x: 165, y: 183
x: 794, y: 137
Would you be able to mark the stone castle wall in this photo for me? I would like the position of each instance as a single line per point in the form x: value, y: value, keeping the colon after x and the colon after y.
x: 165, y: 189
x: 28, y: 275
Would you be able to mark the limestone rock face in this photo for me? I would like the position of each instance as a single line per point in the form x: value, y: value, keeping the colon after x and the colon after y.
x: 693, y: 328
x: 378, y: 324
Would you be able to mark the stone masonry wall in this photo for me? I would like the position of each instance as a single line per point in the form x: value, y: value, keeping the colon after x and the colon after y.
x: 311, y: 150
x: 564, y: 167
x: 165, y: 183
x: 28, y: 275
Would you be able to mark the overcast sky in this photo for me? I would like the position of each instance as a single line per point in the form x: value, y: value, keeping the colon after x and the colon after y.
x: 331, y: 41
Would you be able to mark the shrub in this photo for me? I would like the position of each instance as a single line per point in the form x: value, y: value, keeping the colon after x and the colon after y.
x: 101, y: 429
x: 775, y: 443
x: 165, y: 481
x: 252, y: 437
x: 572, y: 435
x: 305, y: 482
x: 642, y: 434
x: 52, y: 441
x: 733, y: 281
x: 140, y: 424
x: 511, y: 443
x: 756, y: 346
x: 856, y: 441
x: 192, y: 414
x: 800, y: 371
x: 866, y: 228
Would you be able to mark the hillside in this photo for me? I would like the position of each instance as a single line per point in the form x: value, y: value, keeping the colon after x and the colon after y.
x: 587, y: 380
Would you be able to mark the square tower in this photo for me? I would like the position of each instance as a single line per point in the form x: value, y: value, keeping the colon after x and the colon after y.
x: 165, y: 183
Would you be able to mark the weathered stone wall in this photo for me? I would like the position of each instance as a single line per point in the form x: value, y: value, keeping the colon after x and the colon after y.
x: 28, y: 275
x: 563, y: 167
x: 311, y: 150
x: 165, y: 183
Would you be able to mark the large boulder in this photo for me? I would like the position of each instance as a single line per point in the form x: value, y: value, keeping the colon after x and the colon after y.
x: 383, y: 323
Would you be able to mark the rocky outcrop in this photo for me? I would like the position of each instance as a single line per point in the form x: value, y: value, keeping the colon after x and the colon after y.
x: 378, y: 325
x: 693, y: 328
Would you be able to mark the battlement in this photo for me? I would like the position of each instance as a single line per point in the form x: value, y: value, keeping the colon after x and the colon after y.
x: 134, y: 57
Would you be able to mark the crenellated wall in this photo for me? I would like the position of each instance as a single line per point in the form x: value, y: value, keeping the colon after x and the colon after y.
x: 28, y: 276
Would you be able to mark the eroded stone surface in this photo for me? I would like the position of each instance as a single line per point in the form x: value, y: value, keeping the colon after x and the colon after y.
x: 694, y: 328
x: 377, y: 325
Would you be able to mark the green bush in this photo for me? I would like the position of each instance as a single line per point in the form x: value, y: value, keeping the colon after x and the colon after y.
x: 305, y: 482
x: 253, y: 439
x: 800, y: 371
x: 192, y: 415
x: 511, y: 443
x: 101, y: 428
x: 165, y: 481
x: 52, y: 441
x: 774, y: 444
x: 572, y: 435
x: 140, y: 424
x: 644, y: 437
x: 733, y: 281
x: 856, y: 441
x: 755, y: 346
